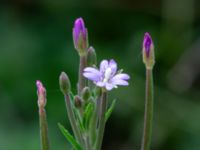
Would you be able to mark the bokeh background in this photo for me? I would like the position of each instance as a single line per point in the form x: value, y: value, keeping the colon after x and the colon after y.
x: 36, y: 43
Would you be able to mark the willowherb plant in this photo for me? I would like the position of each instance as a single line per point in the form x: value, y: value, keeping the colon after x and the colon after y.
x: 88, y: 110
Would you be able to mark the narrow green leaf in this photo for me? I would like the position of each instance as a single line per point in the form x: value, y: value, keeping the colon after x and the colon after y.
x: 110, y: 110
x: 88, y: 114
x: 69, y: 137
x: 79, y: 119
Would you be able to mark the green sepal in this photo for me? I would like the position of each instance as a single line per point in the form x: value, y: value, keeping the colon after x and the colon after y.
x: 110, y: 110
x: 69, y: 137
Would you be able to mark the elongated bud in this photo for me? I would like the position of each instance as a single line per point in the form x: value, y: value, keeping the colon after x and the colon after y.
x: 148, y: 51
x: 91, y: 57
x: 80, y: 36
x: 78, y: 102
x: 85, y: 93
x: 41, y: 92
x: 64, y: 81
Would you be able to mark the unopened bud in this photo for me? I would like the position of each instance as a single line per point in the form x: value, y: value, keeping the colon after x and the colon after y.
x: 78, y: 102
x: 148, y: 51
x: 80, y: 36
x: 91, y: 57
x: 85, y: 93
x: 64, y: 81
x: 41, y: 92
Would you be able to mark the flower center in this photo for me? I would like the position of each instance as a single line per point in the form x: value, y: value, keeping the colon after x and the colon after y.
x: 107, y: 74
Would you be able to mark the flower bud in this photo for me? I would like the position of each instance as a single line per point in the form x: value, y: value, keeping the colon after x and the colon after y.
x: 64, y: 81
x: 91, y: 57
x: 85, y: 93
x: 80, y: 36
x: 148, y: 51
x: 41, y: 92
x: 78, y: 102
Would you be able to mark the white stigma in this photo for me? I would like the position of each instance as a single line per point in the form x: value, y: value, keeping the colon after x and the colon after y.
x: 107, y: 75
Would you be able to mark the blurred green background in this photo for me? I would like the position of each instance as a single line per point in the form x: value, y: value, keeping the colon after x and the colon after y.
x: 36, y: 43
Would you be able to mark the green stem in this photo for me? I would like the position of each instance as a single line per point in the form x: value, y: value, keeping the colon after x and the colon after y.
x: 94, y: 122
x: 148, y: 115
x: 43, y: 129
x: 81, y: 79
x: 87, y: 142
x: 102, y: 121
x: 72, y: 120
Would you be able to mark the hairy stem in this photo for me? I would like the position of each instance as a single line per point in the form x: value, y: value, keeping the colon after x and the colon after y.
x: 43, y: 129
x: 81, y: 79
x: 102, y: 121
x: 148, y: 114
x: 72, y: 120
x: 94, y: 122
x: 87, y: 142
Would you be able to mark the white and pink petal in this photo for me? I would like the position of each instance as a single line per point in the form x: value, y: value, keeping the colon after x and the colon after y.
x: 100, y: 84
x: 103, y: 66
x: 91, y: 76
x: 113, y: 66
x: 109, y: 86
x: 121, y: 76
x: 92, y: 70
x: 120, y: 82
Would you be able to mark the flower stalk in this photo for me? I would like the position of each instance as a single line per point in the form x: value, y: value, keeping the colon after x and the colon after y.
x: 102, y: 121
x: 43, y: 129
x: 41, y: 92
x: 94, y: 122
x: 72, y: 120
x: 81, y: 79
x: 148, y: 115
x: 65, y: 87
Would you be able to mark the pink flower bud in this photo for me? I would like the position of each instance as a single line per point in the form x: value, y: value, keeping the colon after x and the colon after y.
x: 148, y: 51
x: 80, y: 36
x: 41, y: 92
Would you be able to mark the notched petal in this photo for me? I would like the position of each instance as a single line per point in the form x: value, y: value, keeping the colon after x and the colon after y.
x: 113, y: 66
x: 103, y: 65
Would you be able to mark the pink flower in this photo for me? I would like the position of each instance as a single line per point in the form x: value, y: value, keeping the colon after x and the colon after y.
x: 107, y: 75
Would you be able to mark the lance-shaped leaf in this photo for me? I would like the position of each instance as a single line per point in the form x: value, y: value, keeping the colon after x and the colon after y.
x: 110, y: 110
x: 69, y: 137
x: 88, y: 114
